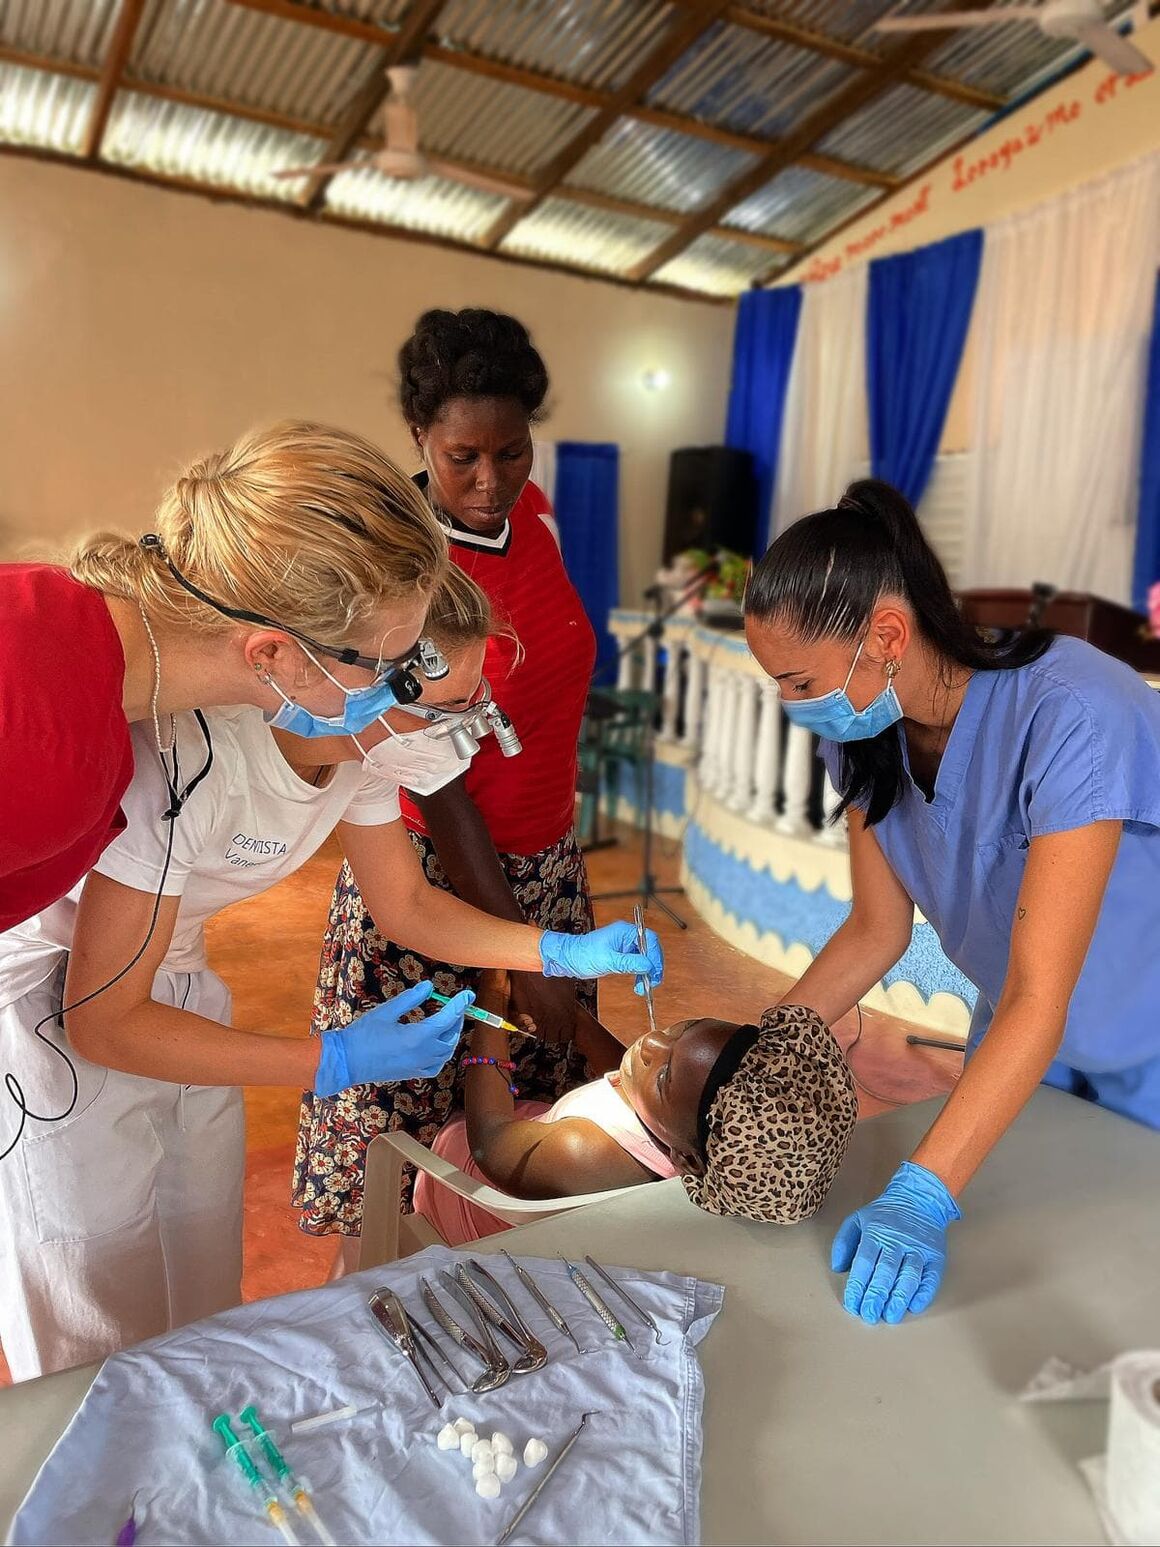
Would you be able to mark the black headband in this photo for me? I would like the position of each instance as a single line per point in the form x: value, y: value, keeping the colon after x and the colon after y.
x: 728, y: 1062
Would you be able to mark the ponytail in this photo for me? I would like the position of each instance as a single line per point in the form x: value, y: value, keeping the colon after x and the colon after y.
x: 825, y: 576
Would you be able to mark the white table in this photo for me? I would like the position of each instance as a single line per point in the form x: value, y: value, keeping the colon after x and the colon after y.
x: 818, y: 1429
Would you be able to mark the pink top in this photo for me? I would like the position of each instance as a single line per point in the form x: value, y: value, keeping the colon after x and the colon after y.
x: 458, y: 1221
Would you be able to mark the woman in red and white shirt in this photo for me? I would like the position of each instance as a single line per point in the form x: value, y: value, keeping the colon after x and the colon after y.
x: 311, y: 535
x: 502, y: 837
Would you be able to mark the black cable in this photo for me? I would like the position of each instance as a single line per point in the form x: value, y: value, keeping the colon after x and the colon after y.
x: 177, y: 800
x: 890, y: 1101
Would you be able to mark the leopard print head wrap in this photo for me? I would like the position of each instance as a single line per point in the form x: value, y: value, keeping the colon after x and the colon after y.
x: 776, y: 1118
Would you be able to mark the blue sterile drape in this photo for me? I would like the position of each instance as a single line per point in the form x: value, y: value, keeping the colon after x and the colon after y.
x: 918, y: 311
x: 763, y: 345
x: 587, y: 500
x: 1147, y: 566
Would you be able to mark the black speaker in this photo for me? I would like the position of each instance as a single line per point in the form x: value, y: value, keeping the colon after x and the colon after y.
x: 712, y: 501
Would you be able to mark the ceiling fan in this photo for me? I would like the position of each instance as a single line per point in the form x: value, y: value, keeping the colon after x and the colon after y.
x: 401, y: 157
x: 1080, y: 21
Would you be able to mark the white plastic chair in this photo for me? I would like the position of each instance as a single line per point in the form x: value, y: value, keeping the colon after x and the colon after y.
x: 388, y: 1234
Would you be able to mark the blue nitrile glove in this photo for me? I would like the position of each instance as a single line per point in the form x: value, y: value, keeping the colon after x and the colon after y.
x: 602, y: 952
x: 897, y: 1245
x: 380, y: 1047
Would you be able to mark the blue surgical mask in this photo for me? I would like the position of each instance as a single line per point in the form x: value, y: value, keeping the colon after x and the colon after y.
x: 361, y: 707
x: 833, y: 716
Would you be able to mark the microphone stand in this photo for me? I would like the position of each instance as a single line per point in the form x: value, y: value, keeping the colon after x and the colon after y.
x: 646, y: 888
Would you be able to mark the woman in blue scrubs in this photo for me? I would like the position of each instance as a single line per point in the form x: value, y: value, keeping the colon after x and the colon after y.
x: 1010, y: 790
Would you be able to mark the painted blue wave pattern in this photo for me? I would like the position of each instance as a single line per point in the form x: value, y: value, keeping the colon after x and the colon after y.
x: 807, y: 918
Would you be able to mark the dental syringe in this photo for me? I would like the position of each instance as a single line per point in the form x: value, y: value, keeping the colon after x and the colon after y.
x: 488, y: 1018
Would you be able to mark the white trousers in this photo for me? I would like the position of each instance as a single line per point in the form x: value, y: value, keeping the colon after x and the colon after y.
x: 124, y: 1220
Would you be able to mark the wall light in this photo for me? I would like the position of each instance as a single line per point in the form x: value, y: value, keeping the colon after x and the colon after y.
x: 656, y: 380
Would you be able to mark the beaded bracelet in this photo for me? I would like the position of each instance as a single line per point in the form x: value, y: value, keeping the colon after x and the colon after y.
x: 498, y: 1063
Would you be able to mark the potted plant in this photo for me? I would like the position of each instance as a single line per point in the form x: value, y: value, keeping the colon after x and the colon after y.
x: 724, y: 591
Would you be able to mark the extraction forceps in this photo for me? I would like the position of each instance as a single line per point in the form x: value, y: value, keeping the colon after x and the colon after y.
x: 495, y: 1368
x: 391, y: 1317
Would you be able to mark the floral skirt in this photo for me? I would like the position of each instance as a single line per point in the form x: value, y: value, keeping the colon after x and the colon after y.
x: 360, y: 968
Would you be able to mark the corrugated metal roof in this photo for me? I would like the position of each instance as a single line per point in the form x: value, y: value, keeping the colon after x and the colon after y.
x: 902, y: 129
x: 589, y: 238
x: 800, y: 205
x: 847, y: 21
x: 76, y: 30
x: 717, y: 267
x: 1008, y: 59
x: 426, y: 204
x: 489, y: 121
x: 655, y: 166
x: 733, y: 77
x: 593, y: 42
x: 206, y: 147
x: 220, y: 50
x: 50, y: 111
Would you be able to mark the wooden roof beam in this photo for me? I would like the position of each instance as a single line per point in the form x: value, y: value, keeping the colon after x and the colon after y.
x: 594, y: 200
x: 683, y: 31
x: 128, y: 18
x: 849, y: 100
x: 859, y: 58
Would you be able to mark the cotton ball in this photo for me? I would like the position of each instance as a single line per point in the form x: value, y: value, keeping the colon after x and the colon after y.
x: 468, y: 1442
x: 534, y: 1452
x: 482, y: 1450
x: 506, y: 1466
x: 501, y: 1444
x: 488, y: 1487
x: 463, y: 1426
x: 448, y: 1437
x: 483, y: 1466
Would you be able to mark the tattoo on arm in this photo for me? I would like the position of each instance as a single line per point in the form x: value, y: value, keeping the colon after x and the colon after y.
x: 1022, y: 913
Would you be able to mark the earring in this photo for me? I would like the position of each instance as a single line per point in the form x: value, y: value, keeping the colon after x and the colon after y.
x: 892, y: 669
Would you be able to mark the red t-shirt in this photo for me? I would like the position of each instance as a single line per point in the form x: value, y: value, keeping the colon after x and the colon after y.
x: 528, y: 801
x: 65, y: 754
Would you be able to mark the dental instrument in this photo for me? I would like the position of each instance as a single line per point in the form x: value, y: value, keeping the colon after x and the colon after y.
x: 474, y: 1013
x: 285, y: 1475
x: 533, y: 1356
x: 542, y: 1300
x: 514, y: 1523
x: 499, y: 1369
x: 391, y: 1318
x: 624, y: 1295
x: 271, y: 1504
x: 501, y: 1298
x: 642, y: 942
x: 597, y: 1304
x: 495, y: 1369
x: 433, y: 1346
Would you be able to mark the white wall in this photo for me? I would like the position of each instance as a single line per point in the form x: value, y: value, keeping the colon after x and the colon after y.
x: 140, y: 327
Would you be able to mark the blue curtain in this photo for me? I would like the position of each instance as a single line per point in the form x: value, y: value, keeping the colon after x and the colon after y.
x: 917, y: 315
x: 763, y: 344
x: 587, y: 509
x: 1147, y: 567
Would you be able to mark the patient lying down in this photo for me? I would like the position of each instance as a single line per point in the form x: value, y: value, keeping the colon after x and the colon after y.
x: 755, y: 1120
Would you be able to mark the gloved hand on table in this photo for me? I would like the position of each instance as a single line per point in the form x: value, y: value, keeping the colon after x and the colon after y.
x: 379, y: 1046
x: 895, y: 1248
x: 601, y: 952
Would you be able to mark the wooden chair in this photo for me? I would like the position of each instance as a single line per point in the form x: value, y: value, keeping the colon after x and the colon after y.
x: 388, y: 1234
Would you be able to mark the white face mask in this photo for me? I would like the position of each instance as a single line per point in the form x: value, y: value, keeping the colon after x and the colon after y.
x: 414, y: 760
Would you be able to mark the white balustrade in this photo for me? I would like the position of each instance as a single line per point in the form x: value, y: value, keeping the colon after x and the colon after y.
x: 674, y: 641
x: 767, y: 756
x: 741, y: 789
x: 728, y: 735
x: 694, y: 700
x: 799, y: 764
x: 727, y: 720
x: 833, y: 834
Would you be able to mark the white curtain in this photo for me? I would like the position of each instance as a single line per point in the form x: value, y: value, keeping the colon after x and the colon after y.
x: 1061, y: 328
x: 544, y: 467
x: 825, y: 435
